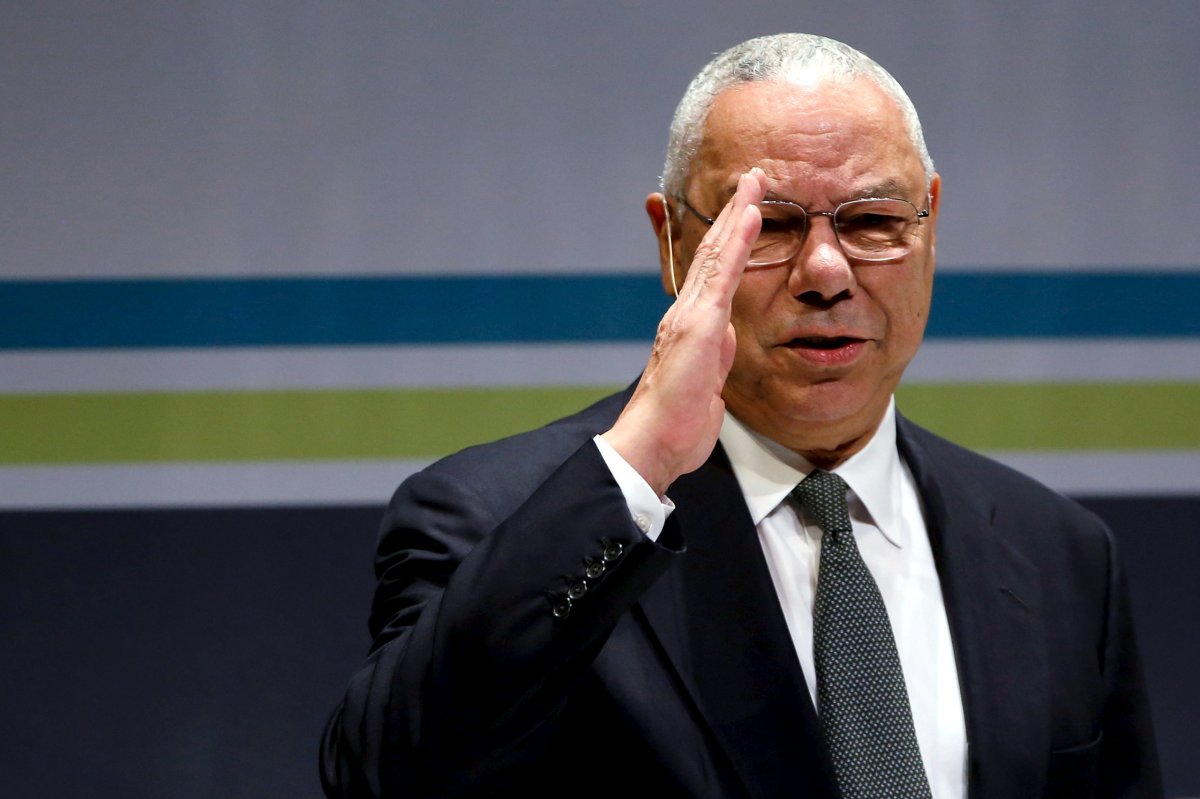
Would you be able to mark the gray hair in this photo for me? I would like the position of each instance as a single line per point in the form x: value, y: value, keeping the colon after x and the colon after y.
x: 783, y: 57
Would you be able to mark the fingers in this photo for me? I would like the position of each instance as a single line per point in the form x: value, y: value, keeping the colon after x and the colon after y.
x: 671, y: 423
x: 722, y: 254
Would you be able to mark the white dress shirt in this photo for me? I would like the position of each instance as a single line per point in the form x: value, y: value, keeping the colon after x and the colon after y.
x: 889, y: 527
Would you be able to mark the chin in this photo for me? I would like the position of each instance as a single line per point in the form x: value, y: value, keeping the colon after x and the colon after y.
x: 810, y: 415
x: 784, y: 412
x: 829, y: 401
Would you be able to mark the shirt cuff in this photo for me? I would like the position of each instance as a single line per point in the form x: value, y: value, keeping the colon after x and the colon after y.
x: 649, y: 511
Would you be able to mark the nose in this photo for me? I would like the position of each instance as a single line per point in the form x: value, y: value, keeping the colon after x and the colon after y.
x: 820, y: 272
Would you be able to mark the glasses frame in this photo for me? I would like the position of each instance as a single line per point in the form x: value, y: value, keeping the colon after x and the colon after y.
x: 710, y: 221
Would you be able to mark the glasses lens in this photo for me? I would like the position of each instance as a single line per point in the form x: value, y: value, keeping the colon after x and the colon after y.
x: 782, y: 230
x: 876, y: 230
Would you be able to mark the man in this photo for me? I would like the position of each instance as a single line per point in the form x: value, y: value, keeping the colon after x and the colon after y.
x: 663, y: 595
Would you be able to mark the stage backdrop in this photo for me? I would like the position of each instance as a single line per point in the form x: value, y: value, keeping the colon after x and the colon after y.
x: 260, y: 261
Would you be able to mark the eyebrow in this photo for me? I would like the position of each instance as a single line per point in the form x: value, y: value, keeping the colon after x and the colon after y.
x: 886, y: 189
x: 889, y: 188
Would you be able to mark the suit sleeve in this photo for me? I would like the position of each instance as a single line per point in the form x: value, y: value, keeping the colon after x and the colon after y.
x: 484, y: 620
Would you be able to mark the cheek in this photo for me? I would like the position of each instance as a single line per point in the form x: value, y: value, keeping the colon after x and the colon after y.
x: 750, y: 313
x: 903, y: 295
x: 907, y: 314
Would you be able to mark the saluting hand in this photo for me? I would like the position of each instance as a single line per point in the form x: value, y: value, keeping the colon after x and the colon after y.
x: 671, y: 423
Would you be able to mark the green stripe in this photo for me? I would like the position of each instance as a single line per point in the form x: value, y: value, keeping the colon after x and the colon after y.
x: 1060, y: 416
x: 270, y: 425
x: 423, y: 424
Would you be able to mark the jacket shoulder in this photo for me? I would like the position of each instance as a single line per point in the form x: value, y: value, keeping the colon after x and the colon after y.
x: 988, y: 481
x: 510, y: 468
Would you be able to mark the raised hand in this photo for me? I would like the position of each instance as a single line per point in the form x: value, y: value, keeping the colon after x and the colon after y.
x: 671, y: 423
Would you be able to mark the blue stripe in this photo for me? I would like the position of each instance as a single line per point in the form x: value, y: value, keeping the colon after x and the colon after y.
x: 74, y: 314
x: 1065, y: 305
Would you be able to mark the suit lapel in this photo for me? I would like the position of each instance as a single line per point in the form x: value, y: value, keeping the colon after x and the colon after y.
x: 718, y: 618
x: 994, y: 606
x: 719, y: 622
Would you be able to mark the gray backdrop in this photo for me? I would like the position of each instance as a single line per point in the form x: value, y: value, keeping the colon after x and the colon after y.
x: 314, y: 137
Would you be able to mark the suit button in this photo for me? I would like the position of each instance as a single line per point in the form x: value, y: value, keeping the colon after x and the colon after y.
x: 613, y: 551
x: 561, y: 608
x: 577, y: 590
x: 594, y: 569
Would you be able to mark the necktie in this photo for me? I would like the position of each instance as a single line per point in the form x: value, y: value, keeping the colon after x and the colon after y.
x: 861, y: 698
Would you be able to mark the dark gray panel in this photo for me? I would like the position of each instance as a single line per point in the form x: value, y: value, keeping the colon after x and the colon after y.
x: 197, y: 653
x: 177, y: 654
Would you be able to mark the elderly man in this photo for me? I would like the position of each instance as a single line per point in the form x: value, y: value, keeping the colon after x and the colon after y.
x: 748, y: 575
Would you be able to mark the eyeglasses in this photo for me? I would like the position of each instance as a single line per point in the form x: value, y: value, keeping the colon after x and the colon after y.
x: 873, y: 229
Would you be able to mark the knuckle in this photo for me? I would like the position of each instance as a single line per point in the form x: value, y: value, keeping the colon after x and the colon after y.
x: 668, y: 329
x: 664, y: 328
x: 707, y: 254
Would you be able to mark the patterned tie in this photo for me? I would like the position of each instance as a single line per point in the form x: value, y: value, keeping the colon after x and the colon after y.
x: 861, y: 696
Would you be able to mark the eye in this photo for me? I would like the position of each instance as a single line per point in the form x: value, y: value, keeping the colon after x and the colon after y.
x: 780, y: 218
x: 771, y: 225
x: 867, y: 219
x: 876, y: 219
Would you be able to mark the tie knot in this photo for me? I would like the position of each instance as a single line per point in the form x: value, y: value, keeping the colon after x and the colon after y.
x: 823, y: 496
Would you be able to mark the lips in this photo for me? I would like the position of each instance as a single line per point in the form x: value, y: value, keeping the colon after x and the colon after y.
x: 827, y: 350
x: 822, y: 342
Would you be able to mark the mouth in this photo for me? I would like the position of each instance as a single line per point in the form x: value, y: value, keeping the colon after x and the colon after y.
x: 823, y: 342
x: 827, y: 350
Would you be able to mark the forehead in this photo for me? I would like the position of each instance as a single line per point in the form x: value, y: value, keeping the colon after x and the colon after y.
x: 820, y: 141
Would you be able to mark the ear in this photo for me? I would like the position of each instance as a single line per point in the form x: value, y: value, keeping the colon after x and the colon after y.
x: 657, y: 209
x: 935, y: 202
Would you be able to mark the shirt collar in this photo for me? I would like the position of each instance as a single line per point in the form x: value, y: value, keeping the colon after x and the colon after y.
x: 767, y: 472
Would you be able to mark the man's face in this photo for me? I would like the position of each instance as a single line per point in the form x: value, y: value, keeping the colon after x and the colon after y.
x: 821, y: 341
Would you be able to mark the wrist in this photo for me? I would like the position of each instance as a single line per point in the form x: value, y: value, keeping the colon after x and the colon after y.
x: 645, y: 460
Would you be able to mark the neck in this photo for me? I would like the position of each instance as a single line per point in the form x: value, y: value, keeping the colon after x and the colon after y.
x: 825, y: 451
x: 833, y: 457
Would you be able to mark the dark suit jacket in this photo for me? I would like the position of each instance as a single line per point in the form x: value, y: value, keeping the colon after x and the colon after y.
x: 529, y: 641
